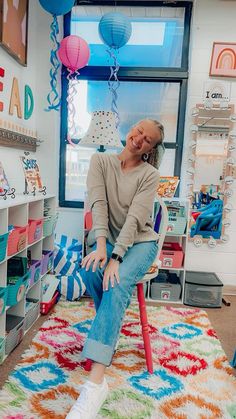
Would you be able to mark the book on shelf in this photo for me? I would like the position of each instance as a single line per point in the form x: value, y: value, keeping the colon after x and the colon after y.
x: 32, y: 173
x: 167, y: 186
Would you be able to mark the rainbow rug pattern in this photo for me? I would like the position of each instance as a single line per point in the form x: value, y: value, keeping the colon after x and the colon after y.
x: 192, y: 377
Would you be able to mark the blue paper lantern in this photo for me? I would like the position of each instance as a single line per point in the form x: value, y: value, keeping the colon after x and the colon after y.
x: 115, y: 29
x: 57, y: 7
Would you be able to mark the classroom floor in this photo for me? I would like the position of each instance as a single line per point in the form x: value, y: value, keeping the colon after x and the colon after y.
x: 222, y: 319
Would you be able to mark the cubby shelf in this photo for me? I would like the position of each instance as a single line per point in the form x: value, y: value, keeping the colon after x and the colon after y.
x: 20, y: 317
x: 182, y: 239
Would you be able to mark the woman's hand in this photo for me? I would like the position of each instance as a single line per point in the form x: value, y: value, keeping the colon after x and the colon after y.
x: 99, y: 255
x: 111, y: 274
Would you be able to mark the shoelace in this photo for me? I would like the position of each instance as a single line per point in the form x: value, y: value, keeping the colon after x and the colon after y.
x: 85, y: 400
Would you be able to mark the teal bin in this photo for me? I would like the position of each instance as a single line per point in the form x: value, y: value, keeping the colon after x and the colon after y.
x: 3, y: 299
x: 17, y: 289
x: 49, y: 224
x: 3, y: 246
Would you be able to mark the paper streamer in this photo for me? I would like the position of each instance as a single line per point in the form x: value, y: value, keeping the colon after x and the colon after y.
x: 70, y: 103
x: 113, y: 84
x: 53, y: 97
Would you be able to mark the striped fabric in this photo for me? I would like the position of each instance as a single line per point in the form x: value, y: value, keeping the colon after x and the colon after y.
x: 68, y: 255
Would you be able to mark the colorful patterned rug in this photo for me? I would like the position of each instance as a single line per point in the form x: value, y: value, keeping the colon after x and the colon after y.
x: 192, y: 377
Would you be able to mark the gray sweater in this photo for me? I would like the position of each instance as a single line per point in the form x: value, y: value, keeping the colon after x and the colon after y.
x: 121, y: 203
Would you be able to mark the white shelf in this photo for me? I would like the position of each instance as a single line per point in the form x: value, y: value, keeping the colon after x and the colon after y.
x: 18, y: 211
x: 183, y: 240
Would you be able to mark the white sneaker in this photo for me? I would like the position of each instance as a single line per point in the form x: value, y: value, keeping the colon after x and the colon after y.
x: 88, y: 404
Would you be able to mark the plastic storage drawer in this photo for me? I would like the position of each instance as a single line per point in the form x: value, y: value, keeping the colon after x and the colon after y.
x: 17, y: 240
x: 202, y: 289
x: 35, y: 271
x: 35, y: 230
x: 3, y: 299
x: 17, y: 290
x: 15, y: 332
x: 32, y: 315
x: 3, y: 246
x: 165, y: 291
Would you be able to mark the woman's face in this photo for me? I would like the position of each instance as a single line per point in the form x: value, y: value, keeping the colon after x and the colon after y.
x: 143, y: 137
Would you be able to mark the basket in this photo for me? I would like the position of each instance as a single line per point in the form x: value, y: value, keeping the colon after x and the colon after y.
x: 32, y: 315
x: 2, y: 350
x: 17, y: 240
x: 3, y: 299
x: 3, y: 246
x: 16, y: 291
x: 35, y: 271
x: 46, y: 307
x: 35, y: 230
x: 172, y: 255
x: 15, y: 332
x: 49, y: 224
x: 47, y: 261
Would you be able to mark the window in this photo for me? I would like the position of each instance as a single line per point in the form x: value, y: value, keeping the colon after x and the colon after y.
x: 153, y: 83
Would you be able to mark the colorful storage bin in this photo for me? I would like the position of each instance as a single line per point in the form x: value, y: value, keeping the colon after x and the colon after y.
x: 17, y: 289
x: 46, y: 307
x: 177, y: 219
x: 49, y: 224
x: 35, y: 230
x: 172, y: 255
x: 3, y: 299
x: 47, y: 261
x: 3, y: 246
x: 17, y: 240
x: 35, y: 271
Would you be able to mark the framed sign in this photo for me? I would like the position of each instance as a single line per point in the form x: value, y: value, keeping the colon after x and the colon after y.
x: 14, y: 28
x: 223, y: 59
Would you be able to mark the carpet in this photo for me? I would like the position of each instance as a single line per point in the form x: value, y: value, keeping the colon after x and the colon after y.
x: 192, y: 377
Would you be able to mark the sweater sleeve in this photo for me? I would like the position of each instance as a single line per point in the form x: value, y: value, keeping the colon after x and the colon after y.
x: 97, y: 196
x: 140, y: 213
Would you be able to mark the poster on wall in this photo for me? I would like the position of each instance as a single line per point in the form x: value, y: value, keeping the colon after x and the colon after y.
x: 167, y: 186
x: 4, y: 185
x: 32, y: 174
x: 13, y: 28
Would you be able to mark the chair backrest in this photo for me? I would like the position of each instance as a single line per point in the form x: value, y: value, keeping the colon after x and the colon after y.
x: 161, y: 223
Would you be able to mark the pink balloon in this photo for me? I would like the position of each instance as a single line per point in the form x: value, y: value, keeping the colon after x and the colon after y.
x: 74, y: 52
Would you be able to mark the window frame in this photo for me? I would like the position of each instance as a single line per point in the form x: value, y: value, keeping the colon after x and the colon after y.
x: 158, y: 74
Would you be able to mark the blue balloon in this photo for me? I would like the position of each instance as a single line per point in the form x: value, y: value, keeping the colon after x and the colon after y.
x: 57, y: 7
x: 115, y: 29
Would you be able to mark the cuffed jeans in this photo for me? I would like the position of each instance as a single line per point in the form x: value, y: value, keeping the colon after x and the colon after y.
x: 111, y: 305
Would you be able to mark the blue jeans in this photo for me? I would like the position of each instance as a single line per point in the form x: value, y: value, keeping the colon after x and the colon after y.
x: 111, y: 305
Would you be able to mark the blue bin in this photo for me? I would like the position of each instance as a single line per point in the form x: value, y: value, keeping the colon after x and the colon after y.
x: 3, y: 299
x: 17, y: 290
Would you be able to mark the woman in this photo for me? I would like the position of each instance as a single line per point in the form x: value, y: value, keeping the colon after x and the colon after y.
x: 121, y: 191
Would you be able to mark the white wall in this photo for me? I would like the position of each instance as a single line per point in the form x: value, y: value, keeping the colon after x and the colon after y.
x: 47, y: 124
x: 212, y: 21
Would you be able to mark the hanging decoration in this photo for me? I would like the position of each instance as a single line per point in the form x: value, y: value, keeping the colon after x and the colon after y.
x: 115, y: 31
x: 74, y: 54
x: 56, y: 8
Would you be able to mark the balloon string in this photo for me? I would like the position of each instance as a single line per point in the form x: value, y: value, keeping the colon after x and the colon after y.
x: 53, y: 98
x: 71, y: 92
x: 113, y: 84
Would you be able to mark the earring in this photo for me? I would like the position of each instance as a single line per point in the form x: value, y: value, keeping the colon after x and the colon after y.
x: 145, y: 157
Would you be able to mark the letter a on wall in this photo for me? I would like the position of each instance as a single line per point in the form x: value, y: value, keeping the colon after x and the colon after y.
x: 15, y: 99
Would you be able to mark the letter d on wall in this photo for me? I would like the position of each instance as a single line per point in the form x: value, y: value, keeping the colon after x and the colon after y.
x: 29, y: 102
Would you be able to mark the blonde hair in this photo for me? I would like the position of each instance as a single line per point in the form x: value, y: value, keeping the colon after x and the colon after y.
x: 156, y: 154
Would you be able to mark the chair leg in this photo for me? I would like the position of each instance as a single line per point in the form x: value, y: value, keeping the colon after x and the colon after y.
x: 88, y: 365
x: 145, y: 331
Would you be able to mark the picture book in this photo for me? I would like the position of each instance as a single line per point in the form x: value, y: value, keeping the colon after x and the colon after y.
x: 4, y: 185
x: 32, y: 174
x: 167, y: 186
